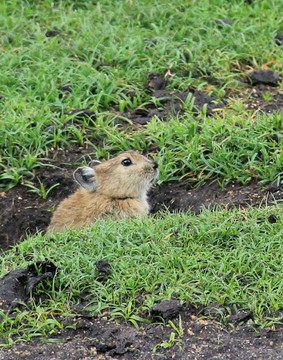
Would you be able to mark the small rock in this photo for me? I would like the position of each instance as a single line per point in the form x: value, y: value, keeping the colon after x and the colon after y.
x: 166, y: 309
x: 268, y: 77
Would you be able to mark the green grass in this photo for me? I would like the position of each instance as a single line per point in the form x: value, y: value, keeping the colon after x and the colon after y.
x: 207, y: 148
x: 228, y: 257
x: 34, y: 66
x: 234, y: 148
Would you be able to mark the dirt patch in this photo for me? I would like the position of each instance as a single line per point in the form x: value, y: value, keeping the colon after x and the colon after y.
x: 177, y: 196
x: 25, y: 211
x: 201, y: 338
x: 169, y: 102
x: 263, y: 98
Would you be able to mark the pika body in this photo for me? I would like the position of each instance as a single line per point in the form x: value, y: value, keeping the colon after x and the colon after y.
x: 117, y: 187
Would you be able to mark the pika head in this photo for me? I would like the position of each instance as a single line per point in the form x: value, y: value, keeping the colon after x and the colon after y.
x: 128, y: 175
x: 116, y: 187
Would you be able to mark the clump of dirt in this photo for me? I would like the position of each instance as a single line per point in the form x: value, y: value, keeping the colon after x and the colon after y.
x: 16, y: 286
x: 266, y: 77
x: 103, y: 270
x: 167, y: 309
x: 52, y: 33
x: 65, y: 89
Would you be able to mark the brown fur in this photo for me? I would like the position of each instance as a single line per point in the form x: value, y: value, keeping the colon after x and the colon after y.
x: 112, y: 189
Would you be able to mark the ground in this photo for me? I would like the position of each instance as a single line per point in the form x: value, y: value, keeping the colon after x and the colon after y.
x: 202, y: 339
x: 205, y: 335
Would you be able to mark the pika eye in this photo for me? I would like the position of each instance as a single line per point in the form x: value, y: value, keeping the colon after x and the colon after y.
x: 126, y: 162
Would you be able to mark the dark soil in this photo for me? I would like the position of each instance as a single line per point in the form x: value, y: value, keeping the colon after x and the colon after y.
x: 202, y: 339
x: 24, y: 212
x: 179, y: 197
x: 170, y: 102
x: 16, y: 286
x: 254, y: 98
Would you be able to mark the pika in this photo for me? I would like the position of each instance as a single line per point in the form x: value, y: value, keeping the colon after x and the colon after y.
x: 117, y: 187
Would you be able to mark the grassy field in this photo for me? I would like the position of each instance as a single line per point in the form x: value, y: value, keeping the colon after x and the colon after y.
x: 226, y: 257
x: 34, y: 66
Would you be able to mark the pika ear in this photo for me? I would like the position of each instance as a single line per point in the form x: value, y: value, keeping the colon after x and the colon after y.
x: 85, y: 176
